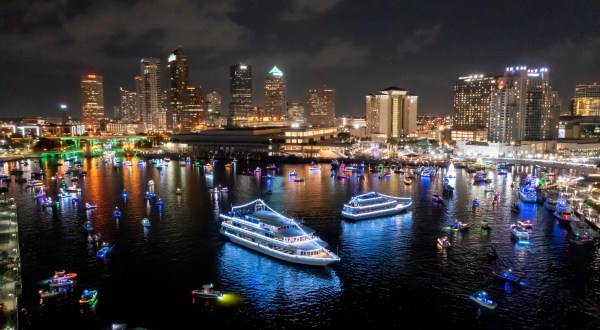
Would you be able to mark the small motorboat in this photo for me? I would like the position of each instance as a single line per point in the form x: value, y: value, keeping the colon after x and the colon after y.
x: 299, y: 180
x: 481, y: 298
x: 293, y: 173
x: 89, y: 206
x: 146, y: 222
x: 507, y: 275
x: 104, y: 250
x: 475, y: 202
x: 117, y: 212
x: 61, y: 274
x: 159, y: 202
x: 443, y: 242
x: 88, y: 226
x: 124, y: 194
x: 207, y: 291
x: 88, y: 297
x: 178, y: 191
x: 59, y: 282
x: 525, y: 223
x: 437, y: 199
x: 565, y: 216
x: 491, y: 251
x: 485, y: 225
x: 457, y: 225
x: 519, y: 233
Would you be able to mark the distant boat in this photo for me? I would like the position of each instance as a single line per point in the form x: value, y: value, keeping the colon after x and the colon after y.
x: 507, y: 275
x: 481, y: 298
x: 146, y: 222
x: 207, y: 291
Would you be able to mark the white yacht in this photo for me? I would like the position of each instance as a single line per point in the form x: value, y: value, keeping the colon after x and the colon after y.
x: 256, y: 226
x: 373, y: 205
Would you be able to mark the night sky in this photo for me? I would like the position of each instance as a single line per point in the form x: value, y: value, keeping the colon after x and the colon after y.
x: 356, y: 47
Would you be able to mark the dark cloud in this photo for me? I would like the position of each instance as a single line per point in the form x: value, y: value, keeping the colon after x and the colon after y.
x: 356, y: 47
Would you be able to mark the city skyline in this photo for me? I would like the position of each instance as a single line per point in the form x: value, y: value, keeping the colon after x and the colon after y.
x: 350, y: 46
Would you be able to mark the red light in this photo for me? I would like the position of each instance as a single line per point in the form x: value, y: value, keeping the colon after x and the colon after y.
x: 91, y: 76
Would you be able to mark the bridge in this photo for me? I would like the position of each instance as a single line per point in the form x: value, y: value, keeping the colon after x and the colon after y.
x: 98, y: 144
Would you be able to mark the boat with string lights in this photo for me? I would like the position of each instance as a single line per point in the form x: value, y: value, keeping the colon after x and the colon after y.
x: 374, y: 205
x: 258, y: 227
x: 528, y: 192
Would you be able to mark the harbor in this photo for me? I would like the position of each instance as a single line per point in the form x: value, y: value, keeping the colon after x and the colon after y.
x: 10, y: 263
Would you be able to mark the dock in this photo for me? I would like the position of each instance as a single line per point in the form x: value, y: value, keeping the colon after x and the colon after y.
x: 10, y: 264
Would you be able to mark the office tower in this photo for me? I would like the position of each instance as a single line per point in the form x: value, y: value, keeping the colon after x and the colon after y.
x: 391, y: 113
x: 194, y: 110
x: 523, y: 106
x: 92, y: 101
x: 587, y: 100
x: 214, y: 102
x: 321, y: 107
x: 275, y: 94
x: 295, y: 113
x: 472, y: 95
x: 179, y: 79
x: 128, y: 105
x: 151, y: 90
x: 138, y: 99
x: 240, y: 88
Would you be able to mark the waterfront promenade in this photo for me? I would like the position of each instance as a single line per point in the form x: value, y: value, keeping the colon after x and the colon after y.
x: 10, y: 264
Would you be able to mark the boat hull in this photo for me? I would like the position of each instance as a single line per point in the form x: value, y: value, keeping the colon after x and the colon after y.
x: 383, y: 213
x: 276, y: 254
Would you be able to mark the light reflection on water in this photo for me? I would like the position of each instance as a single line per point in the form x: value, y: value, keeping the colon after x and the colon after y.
x: 391, y: 268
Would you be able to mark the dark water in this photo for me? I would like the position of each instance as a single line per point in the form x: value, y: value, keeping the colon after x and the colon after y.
x: 391, y: 274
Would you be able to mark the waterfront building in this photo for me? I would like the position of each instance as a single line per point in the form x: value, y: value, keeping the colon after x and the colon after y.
x: 150, y: 90
x: 356, y: 126
x: 179, y: 79
x: 523, y: 106
x: 391, y: 113
x: 240, y: 89
x: 471, y: 106
x: 587, y: 100
x: 214, y: 102
x: 127, y: 110
x: 275, y: 94
x: 295, y: 113
x: 92, y: 101
x: 321, y: 107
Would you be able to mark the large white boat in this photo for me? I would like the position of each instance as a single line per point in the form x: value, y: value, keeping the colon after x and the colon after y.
x: 256, y: 226
x: 520, y: 234
x: 528, y: 194
x: 373, y: 205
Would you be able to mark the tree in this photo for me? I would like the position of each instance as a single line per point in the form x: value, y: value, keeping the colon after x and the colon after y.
x: 45, y: 144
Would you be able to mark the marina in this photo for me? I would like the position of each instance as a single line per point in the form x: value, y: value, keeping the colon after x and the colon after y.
x: 398, y: 253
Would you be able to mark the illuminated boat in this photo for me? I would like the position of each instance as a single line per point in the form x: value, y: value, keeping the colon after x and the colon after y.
x: 457, y: 225
x: 104, y: 250
x: 525, y: 223
x: 451, y: 171
x: 145, y: 222
x: 50, y: 294
x: 117, y: 212
x: 73, y: 188
x: 58, y: 282
x: 481, y: 298
x: 207, y: 291
x: 443, y: 242
x: 508, y: 275
x: 89, y: 206
x: 373, y: 205
x: 258, y: 227
x: 565, y: 216
x: 293, y: 173
x: 485, y: 225
x: 480, y: 176
x: 88, y: 297
x: 61, y: 274
x: 520, y: 234
x: 437, y: 199
x: 316, y: 167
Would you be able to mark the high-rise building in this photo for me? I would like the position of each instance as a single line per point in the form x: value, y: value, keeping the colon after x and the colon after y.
x: 391, y: 113
x: 214, y: 102
x: 472, y: 95
x: 179, y: 79
x: 128, y: 106
x: 523, y: 107
x: 240, y: 88
x: 321, y: 107
x: 194, y: 110
x: 151, y: 90
x: 139, y: 98
x: 295, y: 113
x: 275, y: 94
x: 92, y: 101
x: 587, y: 100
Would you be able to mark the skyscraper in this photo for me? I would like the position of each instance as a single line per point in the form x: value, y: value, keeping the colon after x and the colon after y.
x: 128, y: 106
x: 151, y: 90
x: 179, y: 79
x: 587, y: 100
x: 275, y: 94
x: 391, y: 113
x: 472, y: 95
x: 214, y: 102
x: 139, y: 98
x: 92, y: 101
x: 240, y: 88
x: 194, y: 110
x: 295, y: 113
x: 523, y: 106
x: 321, y: 107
